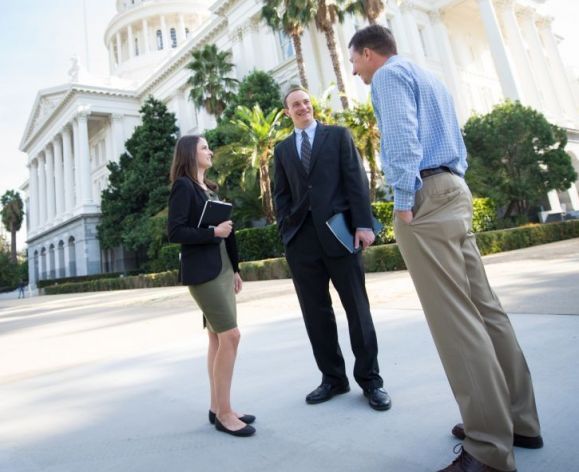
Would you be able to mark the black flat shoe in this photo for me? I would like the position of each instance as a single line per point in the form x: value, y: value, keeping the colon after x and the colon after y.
x: 247, y: 419
x: 244, y: 432
x: 324, y: 392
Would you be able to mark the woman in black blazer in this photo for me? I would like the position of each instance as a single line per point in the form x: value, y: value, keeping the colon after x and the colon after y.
x: 210, y: 267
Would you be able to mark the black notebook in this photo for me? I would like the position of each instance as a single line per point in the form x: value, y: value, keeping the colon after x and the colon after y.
x: 340, y: 227
x: 214, y: 213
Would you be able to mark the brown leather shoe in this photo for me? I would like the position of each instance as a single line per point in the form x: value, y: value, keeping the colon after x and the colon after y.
x: 528, y: 442
x: 466, y: 463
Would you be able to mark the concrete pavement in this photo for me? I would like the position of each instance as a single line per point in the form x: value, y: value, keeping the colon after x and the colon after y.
x: 116, y: 381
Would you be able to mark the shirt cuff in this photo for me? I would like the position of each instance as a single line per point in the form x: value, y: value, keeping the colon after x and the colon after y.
x: 364, y: 229
x: 403, y: 200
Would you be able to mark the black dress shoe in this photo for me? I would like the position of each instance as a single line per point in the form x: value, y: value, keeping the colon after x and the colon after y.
x: 378, y: 399
x: 527, y: 442
x: 247, y: 419
x: 242, y: 433
x: 324, y: 392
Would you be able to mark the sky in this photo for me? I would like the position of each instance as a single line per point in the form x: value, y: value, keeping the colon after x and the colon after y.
x: 39, y: 37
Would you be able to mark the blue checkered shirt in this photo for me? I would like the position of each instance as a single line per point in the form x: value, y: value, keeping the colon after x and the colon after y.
x: 418, y: 126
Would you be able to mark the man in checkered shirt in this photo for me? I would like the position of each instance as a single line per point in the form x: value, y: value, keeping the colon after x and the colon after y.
x: 424, y: 159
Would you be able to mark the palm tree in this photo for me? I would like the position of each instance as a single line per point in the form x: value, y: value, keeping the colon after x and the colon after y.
x: 326, y: 13
x: 369, y: 9
x: 362, y: 123
x: 262, y: 132
x: 12, y: 217
x: 286, y: 16
x: 212, y: 88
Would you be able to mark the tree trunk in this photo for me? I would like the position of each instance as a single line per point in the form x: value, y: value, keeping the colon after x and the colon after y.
x: 331, y: 40
x: 297, y: 40
x: 13, y: 243
x: 372, y: 184
x: 265, y: 191
x: 510, y: 208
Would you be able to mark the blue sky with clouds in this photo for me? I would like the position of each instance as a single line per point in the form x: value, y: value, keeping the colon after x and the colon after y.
x: 38, y: 38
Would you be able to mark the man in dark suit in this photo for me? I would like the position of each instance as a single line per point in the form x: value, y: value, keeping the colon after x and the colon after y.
x: 318, y: 173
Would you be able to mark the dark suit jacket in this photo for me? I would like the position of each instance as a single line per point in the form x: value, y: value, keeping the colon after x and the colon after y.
x: 200, y: 255
x: 336, y: 182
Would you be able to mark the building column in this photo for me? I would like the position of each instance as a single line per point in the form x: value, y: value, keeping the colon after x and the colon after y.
x: 33, y: 192
x: 119, y: 48
x: 164, y: 34
x: 68, y: 165
x: 412, y: 34
x: 573, y: 195
x: 41, y: 190
x: 395, y: 15
x: 76, y: 160
x: 504, y: 69
x: 130, y: 41
x: 145, y: 36
x: 118, y: 136
x: 181, y: 34
x: 448, y: 64
x: 554, y: 201
x: 111, y: 49
x: 58, y: 175
x: 524, y: 72
x: 550, y: 103
x: 560, y: 75
x: 84, y: 158
x: 50, y: 200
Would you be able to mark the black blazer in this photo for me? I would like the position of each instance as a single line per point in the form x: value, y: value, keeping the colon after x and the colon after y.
x: 200, y: 255
x: 336, y: 182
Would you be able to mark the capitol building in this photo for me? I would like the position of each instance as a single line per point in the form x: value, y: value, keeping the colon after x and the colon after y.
x: 485, y: 51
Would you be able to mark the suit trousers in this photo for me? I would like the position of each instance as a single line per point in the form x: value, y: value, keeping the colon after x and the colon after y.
x: 312, y: 271
x: 478, y: 348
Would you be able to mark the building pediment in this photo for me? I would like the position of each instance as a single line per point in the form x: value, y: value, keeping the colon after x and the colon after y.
x: 51, y: 101
x: 47, y: 101
x: 46, y: 106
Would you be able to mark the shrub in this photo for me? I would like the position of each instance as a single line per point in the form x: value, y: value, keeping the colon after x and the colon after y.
x: 255, y: 244
x: 484, y: 215
x: 384, y: 213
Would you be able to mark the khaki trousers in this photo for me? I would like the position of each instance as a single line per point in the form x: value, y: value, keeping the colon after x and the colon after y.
x: 478, y: 348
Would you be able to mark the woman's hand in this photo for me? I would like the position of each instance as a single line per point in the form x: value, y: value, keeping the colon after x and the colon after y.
x: 223, y: 230
x: 237, y: 282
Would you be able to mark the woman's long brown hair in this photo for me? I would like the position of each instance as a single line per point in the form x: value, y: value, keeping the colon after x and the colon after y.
x: 185, y: 161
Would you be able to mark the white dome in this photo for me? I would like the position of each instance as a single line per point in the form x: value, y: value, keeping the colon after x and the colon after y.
x: 144, y: 32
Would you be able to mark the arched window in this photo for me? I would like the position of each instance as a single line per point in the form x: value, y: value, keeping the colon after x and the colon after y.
x: 116, y: 54
x: 136, y: 46
x: 159, y: 40
x: 173, y: 38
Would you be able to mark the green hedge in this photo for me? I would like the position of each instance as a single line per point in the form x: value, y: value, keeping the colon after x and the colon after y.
x: 380, y: 258
x: 256, y: 244
x: 162, y: 279
x: 82, y: 278
x: 492, y: 242
x: 262, y: 243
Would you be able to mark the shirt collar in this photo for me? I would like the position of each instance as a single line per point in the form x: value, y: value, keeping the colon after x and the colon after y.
x: 392, y: 59
x: 309, y: 129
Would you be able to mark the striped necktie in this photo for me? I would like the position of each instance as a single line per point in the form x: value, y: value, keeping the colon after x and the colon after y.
x: 306, y: 151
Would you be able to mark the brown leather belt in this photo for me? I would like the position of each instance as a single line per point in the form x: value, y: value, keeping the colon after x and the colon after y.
x: 436, y: 170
